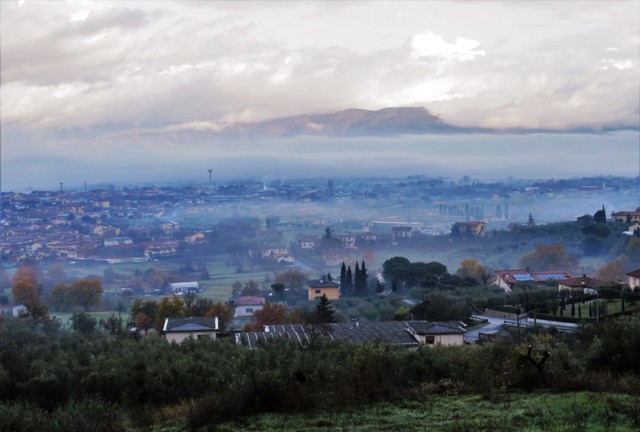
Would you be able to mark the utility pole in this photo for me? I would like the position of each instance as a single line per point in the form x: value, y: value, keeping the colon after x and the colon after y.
x: 210, y: 176
x: 61, y: 192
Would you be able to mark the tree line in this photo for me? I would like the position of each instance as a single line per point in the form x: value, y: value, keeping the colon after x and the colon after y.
x: 63, y: 381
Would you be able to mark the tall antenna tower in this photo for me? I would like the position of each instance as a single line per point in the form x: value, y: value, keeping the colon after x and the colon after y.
x: 210, y: 176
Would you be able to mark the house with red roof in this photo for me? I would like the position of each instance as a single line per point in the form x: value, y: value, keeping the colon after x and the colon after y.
x: 507, y: 279
x: 634, y: 279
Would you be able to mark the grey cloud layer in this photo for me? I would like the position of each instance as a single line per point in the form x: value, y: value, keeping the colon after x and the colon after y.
x: 148, y: 64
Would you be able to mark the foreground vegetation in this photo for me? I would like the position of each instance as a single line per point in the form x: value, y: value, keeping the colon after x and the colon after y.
x: 501, y: 412
x: 57, y: 380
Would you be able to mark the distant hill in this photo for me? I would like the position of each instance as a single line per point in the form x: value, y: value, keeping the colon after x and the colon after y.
x: 353, y: 122
x: 350, y: 122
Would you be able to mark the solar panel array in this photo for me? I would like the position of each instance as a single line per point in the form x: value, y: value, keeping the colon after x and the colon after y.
x: 551, y: 276
x: 522, y: 277
x: 392, y: 332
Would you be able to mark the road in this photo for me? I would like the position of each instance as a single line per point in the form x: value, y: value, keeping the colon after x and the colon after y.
x: 495, y: 324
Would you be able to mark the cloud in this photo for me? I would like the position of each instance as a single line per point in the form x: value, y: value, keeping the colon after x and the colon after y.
x: 431, y: 45
x: 170, y: 66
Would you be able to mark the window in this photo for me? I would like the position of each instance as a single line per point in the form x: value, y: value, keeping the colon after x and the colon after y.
x: 203, y: 336
x: 317, y: 291
x: 429, y: 340
x: 249, y: 310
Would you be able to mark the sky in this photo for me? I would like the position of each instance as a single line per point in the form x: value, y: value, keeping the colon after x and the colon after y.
x: 97, y: 90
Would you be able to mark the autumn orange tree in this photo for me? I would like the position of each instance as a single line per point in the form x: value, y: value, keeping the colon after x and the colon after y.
x: 86, y: 292
x: 169, y: 307
x: 549, y: 257
x: 613, y: 270
x: 471, y: 268
x: 224, y: 312
x: 26, y: 290
x: 25, y: 284
x: 271, y: 313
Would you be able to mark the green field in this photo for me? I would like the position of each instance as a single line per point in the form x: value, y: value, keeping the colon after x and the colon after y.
x: 538, y: 412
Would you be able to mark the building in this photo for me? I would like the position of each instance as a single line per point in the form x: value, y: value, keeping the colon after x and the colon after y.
x: 318, y: 288
x: 626, y: 216
x: 507, y: 279
x: 179, y: 329
x: 408, y: 334
x: 468, y: 229
x: 246, y: 306
x: 401, y: 233
x: 581, y: 285
x: 634, y: 279
x: 180, y: 288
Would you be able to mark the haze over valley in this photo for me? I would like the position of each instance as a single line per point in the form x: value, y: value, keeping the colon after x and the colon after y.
x: 319, y: 215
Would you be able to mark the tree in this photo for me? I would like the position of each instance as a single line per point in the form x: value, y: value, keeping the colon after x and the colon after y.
x: 224, y: 312
x: 328, y: 241
x: 361, y: 280
x: 56, y: 274
x: 348, y: 287
x: 600, y: 216
x: 5, y: 281
x: 439, y: 308
x: 86, y: 292
x: 613, y: 270
x: 397, y: 270
x: 470, y: 270
x: 143, y: 321
x: 143, y: 313
x: 278, y: 289
x: 29, y: 271
x: 327, y: 234
x: 292, y: 279
x: 83, y: 323
x: 531, y: 221
x: 250, y: 288
x: 271, y: 313
x: 169, y: 307
x: 549, y: 257
x: 597, y: 230
x: 60, y: 297
x: 595, y: 233
x: 324, y: 311
x: 25, y: 290
x: 109, y: 275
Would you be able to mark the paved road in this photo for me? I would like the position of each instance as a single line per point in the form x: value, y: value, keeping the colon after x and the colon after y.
x: 495, y: 324
x: 492, y: 326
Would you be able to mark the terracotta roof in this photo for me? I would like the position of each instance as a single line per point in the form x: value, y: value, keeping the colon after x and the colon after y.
x: 249, y: 301
x: 634, y: 273
x: 513, y: 276
x: 582, y: 282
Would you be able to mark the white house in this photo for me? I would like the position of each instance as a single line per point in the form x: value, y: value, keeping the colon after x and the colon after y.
x: 180, y: 288
x: 179, y: 329
x: 246, y: 306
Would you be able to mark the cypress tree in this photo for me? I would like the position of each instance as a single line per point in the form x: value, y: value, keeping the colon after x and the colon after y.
x: 324, y: 310
x: 343, y: 276
x: 349, y: 281
x: 573, y: 309
x: 363, y: 279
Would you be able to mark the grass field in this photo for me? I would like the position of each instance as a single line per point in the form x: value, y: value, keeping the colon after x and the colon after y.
x: 539, y: 412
